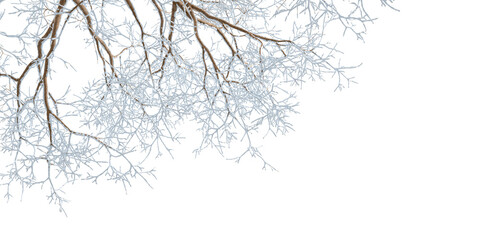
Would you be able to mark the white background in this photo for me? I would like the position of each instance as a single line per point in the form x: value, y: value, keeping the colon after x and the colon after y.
x: 394, y: 157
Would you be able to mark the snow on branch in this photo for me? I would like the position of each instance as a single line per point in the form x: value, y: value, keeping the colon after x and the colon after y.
x: 229, y: 66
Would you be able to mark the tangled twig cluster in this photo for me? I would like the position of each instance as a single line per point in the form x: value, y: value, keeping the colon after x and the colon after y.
x: 224, y: 64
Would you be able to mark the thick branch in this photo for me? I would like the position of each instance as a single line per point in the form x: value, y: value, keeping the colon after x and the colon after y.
x: 132, y: 9
x: 56, y: 24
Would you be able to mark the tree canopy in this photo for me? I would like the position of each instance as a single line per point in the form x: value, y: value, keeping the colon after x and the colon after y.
x: 230, y: 66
